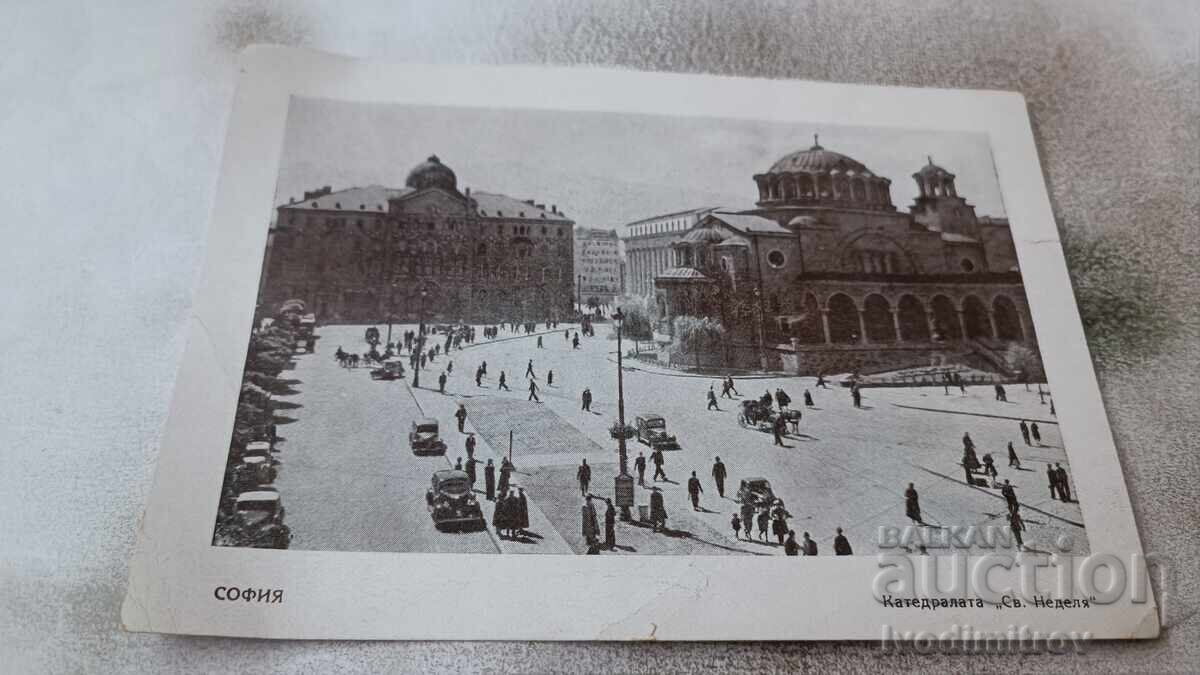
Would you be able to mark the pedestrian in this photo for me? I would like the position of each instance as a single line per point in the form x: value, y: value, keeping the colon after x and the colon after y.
x: 450, y: 368
x: 694, y: 491
x: 469, y: 467
x: 483, y: 367
x: 442, y: 383
x: 779, y: 428
x: 550, y: 379
x: 718, y: 474
x: 1013, y: 460
x: 809, y: 546
x: 575, y: 342
x: 539, y: 342
x: 591, y: 529
x: 470, y: 444
x: 423, y: 361
x: 791, y: 547
x: 502, y: 383
x: 764, y: 519
x: 821, y: 381
x: 968, y: 444
x: 736, y: 524
x: 489, y: 480
x: 478, y: 377
x: 782, y: 399
x: 640, y: 465
x: 529, y: 370
x: 587, y: 399
x: 729, y: 378
x: 725, y: 389
x: 500, y: 517
x: 658, y: 510
x: 522, y: 519
x: 766, y: 399
x: 841, y: 545
x: 458, y: 464
x: 505, y: 475
x: 1064, y: 486
x: 461, y: 416
x: 659, y: 460
x: 1025, y: 432
x: 856, y: 395
x: 567, y: 334
x: 779, y: 527
x: 912, y: 505
x: 808, y: 402
x: 712, y: 399
x: 584, y: 475
x: 989, y: 467
x: 533, y: 388
x: 1010, y: 496
x: 748, y: 519
x: 1052, y: 476
x: 1037, y: 435
x: 610, y: 526
x: 1017, y: 525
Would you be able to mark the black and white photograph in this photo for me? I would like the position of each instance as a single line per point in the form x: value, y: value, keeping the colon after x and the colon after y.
x: 520, y: 331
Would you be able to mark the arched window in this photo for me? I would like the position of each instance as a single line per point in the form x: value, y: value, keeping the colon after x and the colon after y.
x: 975, y: 318
x: 843, y: 319
x: 945, y: 319
x: 1008, y: 323
x: 877, y: 317
x: 914, y: 327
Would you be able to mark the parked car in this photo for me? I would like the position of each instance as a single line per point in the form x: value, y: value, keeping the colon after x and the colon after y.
x: 755, y: 491
x: 652, y: 430
x: 260, y: 508
x: 392, y: 369
x: 423, y: 438
x: 451, y: 502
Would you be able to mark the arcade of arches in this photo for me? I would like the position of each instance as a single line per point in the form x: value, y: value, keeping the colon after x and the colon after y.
x: 877, y: 318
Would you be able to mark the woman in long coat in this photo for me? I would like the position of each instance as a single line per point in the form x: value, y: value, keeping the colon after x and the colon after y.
x: 591, y: 529
x: 505, y: 470
x: 610, y: 526
x: 658, y: 510
x: 912, y: 507
x: 500, y: 517
x: 489, y: 480
x: 522, y: 510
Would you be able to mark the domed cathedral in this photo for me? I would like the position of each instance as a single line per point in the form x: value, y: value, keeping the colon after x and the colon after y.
x: 826, y: 275
x: 361, y: 254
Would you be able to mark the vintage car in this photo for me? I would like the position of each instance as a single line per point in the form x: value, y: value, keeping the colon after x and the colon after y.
x: 260, y: 508
x: 392, y: 369
x: 652, y: 430
x: 755, y: 491
x: 256, y: 470
x: 451, y: 501
x: 423, y: 438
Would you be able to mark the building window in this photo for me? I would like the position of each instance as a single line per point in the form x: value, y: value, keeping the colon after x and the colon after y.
x: 776, y: 258
x: 967, y: 265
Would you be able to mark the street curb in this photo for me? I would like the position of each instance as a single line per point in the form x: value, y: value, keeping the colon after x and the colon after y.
x: 974, y: 414
x: 705, y: 377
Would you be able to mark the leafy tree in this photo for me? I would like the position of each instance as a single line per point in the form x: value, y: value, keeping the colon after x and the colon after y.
x: 695, y: 334
x: 1025, y: 362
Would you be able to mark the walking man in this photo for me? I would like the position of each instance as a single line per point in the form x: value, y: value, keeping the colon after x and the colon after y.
x: 718, y: 473
x: 748, y: 519
x: 550, y: 379
x: 1017, y: 525
x: 808, y: 402
x: 640, y: 465
x: 1052, y: 477
x: 729, y: 379
x: 469, y: 467
x: 461, y: 416
x: 725, y: 389
x: 533, y: 388
x: 659, y: 460
x: 779, y: 428
x: 736, y: 524
x: 529, y: 370
x: 539, y: 342
x: 502, y: 384
x: 1013, y: 460
x: 856, y: 395
x: 1037, y: 435
x: 912, y: 505
x: 470, y: 446
x: 1064, y: 485
x: 1025, y: 432
x: 791, y: 547
x: 587, y: 399
x: 658, y: 510
x: 442, y: 383
x: 764, y: 520
x: 1010, y: 496
x: 712, y: 399
x: 478, y: 377
x: 841, y: 545
x: 821, y: 381
x: 810, y: 546
x: 610, y: 524
x: 694, y: 491
x: 584, y: 474
x: 489, y: 480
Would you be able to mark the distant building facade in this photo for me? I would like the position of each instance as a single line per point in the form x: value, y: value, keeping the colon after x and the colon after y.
x: 360, y: 254
x: 648, y: 246
x: 829, y: 275
x: 597, y: 264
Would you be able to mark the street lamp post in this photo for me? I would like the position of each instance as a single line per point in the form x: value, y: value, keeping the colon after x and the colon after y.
x: 623, y: 483
x: 420, y: 337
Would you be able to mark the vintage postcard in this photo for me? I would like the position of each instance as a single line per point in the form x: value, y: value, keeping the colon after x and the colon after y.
x: 525, y: 353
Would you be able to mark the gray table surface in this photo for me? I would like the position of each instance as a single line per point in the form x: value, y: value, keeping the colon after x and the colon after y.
x: 112, y: 120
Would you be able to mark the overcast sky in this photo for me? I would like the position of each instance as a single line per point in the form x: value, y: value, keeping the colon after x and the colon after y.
x: 601, y: 169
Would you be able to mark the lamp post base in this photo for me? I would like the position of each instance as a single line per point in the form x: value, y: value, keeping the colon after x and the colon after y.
x: 623, y: 489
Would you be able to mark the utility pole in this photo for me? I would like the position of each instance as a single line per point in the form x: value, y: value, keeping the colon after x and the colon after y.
x: 623, y: 483
x: 420, y: 337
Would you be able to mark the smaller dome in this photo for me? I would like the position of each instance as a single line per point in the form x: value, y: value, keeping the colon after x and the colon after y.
x: 931, y: 169
x: 704, y: 235
x: 432, y: 173
x: 804, y: 221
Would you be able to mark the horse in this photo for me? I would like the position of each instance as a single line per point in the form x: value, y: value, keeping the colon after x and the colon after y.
x: 352, y: 361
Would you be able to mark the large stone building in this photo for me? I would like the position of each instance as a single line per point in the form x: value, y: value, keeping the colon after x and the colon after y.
x: 597, y: 265
x: 829, y: 276
x: 360, y: 254
x: 648, y: 246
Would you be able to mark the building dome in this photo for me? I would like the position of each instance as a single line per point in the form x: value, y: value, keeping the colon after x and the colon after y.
x: 817, y: 177
x: 432, y: 174
x: 817, y: 159
x: 931, y: 169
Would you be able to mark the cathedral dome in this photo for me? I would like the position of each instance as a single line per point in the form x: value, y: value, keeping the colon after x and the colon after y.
x: 432, y: 174
x: 817, y: 159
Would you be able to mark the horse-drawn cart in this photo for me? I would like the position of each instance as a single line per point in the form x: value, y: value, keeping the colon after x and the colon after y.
x: 762, y: 417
